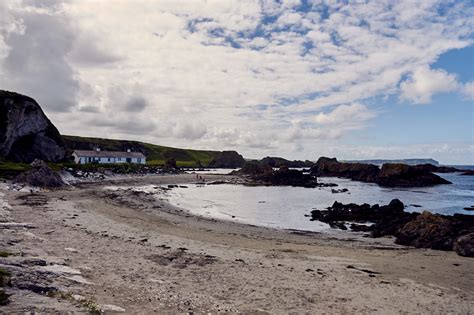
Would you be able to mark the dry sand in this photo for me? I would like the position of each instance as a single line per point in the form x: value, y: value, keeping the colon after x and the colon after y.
x: 130, y: 252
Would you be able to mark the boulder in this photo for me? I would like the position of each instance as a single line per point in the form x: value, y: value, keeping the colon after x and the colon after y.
x: 26, y: 133
x: 227, y: 159
x: 40, y: 175
x: 464, y: 245
x: 428, y: 231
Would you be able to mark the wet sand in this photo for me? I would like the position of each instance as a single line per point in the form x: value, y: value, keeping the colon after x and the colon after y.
x: 128, y: 251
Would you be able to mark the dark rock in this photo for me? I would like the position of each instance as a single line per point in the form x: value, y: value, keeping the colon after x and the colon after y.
x: 170, y: 166
x: 287, y: 177
x: 401, y: 175
x: 40, y: 175
x: 338, y: 225
x: 36, y: 288
x: 468, y: 173
x: 356, y: 171
x: 227, y: 159
x: 424, y: 230
x: 471, y: 208
x: 427, y: 231
x: 279, y: 162
x: 338, y: 191
x: 437, y: 169
x: 464, y: 245
x: 26, y: 133
x: 265, y: 175
x: 390, y: 175
x: 253, y: 169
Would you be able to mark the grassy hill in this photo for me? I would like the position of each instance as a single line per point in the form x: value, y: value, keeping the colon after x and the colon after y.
x: 156, y: 154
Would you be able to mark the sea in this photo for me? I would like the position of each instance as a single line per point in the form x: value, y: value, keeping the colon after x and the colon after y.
x: 287, y: 207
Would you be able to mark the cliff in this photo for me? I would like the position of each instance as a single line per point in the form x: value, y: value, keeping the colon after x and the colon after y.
x: 26, y: 133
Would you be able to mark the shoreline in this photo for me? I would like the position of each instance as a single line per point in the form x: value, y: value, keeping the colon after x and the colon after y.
x: 141, y: 254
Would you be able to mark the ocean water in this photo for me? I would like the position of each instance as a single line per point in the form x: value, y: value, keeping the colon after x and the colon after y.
x: 285, y: 207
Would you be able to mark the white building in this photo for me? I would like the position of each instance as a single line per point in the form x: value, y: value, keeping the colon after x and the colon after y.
x: 102, y: 157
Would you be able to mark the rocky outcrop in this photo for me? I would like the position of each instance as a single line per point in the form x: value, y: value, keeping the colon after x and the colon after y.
x: 286, y: 177
x: 468, y: 173
x: 265, y: 175
x: 464, y: 245
x: 390, y: 175
x: 401, y: 175
x: 424, y: 230
x: 227, y: 159
x: 26, y: 133
x: 427, y: 231
x: 437, y: 169
x: 355, y: 171
x: 387, y: 219
x: 40, y: 175
x: 278, y: 162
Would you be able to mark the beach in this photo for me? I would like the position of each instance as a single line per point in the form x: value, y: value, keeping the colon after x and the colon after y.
x: 125, y: 251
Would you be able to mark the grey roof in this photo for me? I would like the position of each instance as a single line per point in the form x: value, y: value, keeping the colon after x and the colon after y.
x: 120, y: 154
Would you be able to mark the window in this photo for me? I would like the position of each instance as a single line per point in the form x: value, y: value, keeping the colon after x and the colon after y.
x: 110, y: 159
x: 139, y: 160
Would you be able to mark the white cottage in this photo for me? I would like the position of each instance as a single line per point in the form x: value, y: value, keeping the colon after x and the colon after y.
x: 102, y: 157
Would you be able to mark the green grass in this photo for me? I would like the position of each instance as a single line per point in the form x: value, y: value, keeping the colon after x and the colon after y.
x: 9, y: 169
x: 155, y: 154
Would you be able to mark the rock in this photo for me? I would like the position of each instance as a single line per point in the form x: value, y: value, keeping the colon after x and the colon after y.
x: 26, y: 133
x: 253, y: 169
x: 468, y: 173
x: 338, y: 191
x: 287, y: 177
x: 40, y: 175
x: 265, y: 175
x: 356, y: 171
x: 227, y: 159
x: 278, y: 162
x: 427, y: 231
x: 401, y: 175
x: 170, y: 166
x: 437, y: 169
x: 387, y: 219
x: 464, y: 245
x: 390, y: 175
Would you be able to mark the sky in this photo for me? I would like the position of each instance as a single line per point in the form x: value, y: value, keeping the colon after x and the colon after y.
x: 292, y: 78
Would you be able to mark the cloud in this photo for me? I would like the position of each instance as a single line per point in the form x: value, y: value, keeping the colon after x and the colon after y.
x: 425, y: 82
x: 256, y: 76
x: 353, y: 113
x: 468, y: 90
x: 36, y: 63
x: 136, y: 104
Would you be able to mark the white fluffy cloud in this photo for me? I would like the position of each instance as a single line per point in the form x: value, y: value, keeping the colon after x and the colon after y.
x: 250, y: 75
x: 425, y: 82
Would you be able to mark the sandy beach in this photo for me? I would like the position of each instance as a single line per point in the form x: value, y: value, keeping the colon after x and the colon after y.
x: 88, y: 249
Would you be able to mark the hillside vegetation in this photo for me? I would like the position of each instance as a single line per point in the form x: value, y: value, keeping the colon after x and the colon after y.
x: 156, y: 154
